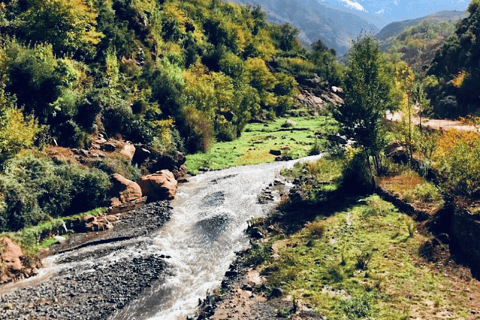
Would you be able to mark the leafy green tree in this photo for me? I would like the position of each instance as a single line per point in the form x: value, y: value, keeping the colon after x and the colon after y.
x: 69, y: 25
x: 286, y: 36
x: 367, y: 98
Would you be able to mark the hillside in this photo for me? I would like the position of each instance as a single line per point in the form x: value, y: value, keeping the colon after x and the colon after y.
x: 456, y: 67
x: 417, y: 45
x: 396, y: 28
x: 334, y: 27
x: 81, y: 79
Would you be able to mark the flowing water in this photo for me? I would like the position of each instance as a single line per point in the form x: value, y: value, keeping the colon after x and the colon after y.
x: 206, y: 229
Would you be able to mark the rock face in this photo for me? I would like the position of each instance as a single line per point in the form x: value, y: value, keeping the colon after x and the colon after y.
x: 11, y: 262
x: 124, y: 190
x: 158, y: 186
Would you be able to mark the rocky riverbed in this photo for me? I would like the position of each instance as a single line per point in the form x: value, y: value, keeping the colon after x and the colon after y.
x: 97, y: 274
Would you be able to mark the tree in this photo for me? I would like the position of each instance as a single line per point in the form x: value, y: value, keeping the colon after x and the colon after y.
x: 367, y: 98
x: 69, y: 25
x: 286, y: 36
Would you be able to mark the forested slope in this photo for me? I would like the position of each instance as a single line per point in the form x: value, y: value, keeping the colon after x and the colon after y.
x: 164, y: 75
x: 161, y: 72
x: 456, y: 66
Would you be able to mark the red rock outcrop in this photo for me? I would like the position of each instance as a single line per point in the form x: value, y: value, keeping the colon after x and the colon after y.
x: 124, y: 190
x: 161, y: 185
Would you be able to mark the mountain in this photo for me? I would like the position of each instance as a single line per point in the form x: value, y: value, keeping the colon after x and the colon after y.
x: 375, y: 19
x: 398, y: 10
x: 317, y: 20
x: 396, y: 28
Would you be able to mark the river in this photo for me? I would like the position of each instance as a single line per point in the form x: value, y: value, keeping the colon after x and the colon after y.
x: 198, y: 244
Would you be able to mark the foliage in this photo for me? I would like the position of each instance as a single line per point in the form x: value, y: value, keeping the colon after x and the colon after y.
x: 16, y: 131
x: 69, y: 25
x: 456, y: 66
x: 367, y: 98
x: 456, y: 160
x: 35, y: 189
x: 424, y: 192
x: 82, y: 66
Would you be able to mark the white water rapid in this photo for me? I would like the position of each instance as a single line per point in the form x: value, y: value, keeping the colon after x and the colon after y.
x: 206, y: 229
x: 198, y: 243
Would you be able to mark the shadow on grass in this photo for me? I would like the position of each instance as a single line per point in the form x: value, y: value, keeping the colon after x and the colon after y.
x: 293, y: 215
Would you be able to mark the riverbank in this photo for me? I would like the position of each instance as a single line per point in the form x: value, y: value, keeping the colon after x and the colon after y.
x: 353, y: 257
x: 95, y: 275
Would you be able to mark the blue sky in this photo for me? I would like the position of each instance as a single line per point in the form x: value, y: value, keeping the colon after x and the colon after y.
x: 396, y: 10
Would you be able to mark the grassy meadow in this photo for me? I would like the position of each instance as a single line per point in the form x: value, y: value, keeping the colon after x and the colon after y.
x: 254, y: 146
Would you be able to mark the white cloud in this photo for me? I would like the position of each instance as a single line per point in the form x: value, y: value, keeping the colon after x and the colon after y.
x: 380, y: 12
x: 354, y: 5
x: 396, y: 2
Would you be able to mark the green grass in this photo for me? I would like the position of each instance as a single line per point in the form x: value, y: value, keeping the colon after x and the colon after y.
x: 254, y: 145
x: 362, y: 262
x: 32, y: 238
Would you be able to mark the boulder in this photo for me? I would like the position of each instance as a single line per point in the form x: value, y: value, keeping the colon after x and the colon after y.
x: 124, y: 190
x: 128, y: 150
x: 11, y: 263
x: 180, y: 173
x: 397, y: 152
x: 159, y: 186
x: 337, y: 89
x: 91, y: 223
x: 154, y: 161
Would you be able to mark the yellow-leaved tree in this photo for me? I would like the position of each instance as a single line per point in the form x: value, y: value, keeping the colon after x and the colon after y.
x: 16, y: 131
x: 69, y: 25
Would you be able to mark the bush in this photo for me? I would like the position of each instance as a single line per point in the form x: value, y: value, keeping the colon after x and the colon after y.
x: 425, y: 192
x: 120, y: 166
x: 457, y: 162
x: 16, y: 131
x: 34, y: 189
x: 358, y: 307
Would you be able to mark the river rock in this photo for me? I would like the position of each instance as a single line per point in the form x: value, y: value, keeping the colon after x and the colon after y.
x: 159, y: 186
x: 11, y: 263
x: 128, y: 150
x: 124, y: 190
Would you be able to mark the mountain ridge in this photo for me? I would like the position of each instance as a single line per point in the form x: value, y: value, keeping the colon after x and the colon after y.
x: 397, y: 27
x: 336, y: 28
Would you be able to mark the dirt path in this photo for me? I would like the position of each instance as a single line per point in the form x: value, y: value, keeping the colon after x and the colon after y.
x: 435, y: 124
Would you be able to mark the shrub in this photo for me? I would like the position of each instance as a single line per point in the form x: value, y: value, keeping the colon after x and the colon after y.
x: 120, y: 166
x: 358, y: 307
x: 16, y: 131
x: 34, y: 189
x: 457, y: 161
x: 425, y: 192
